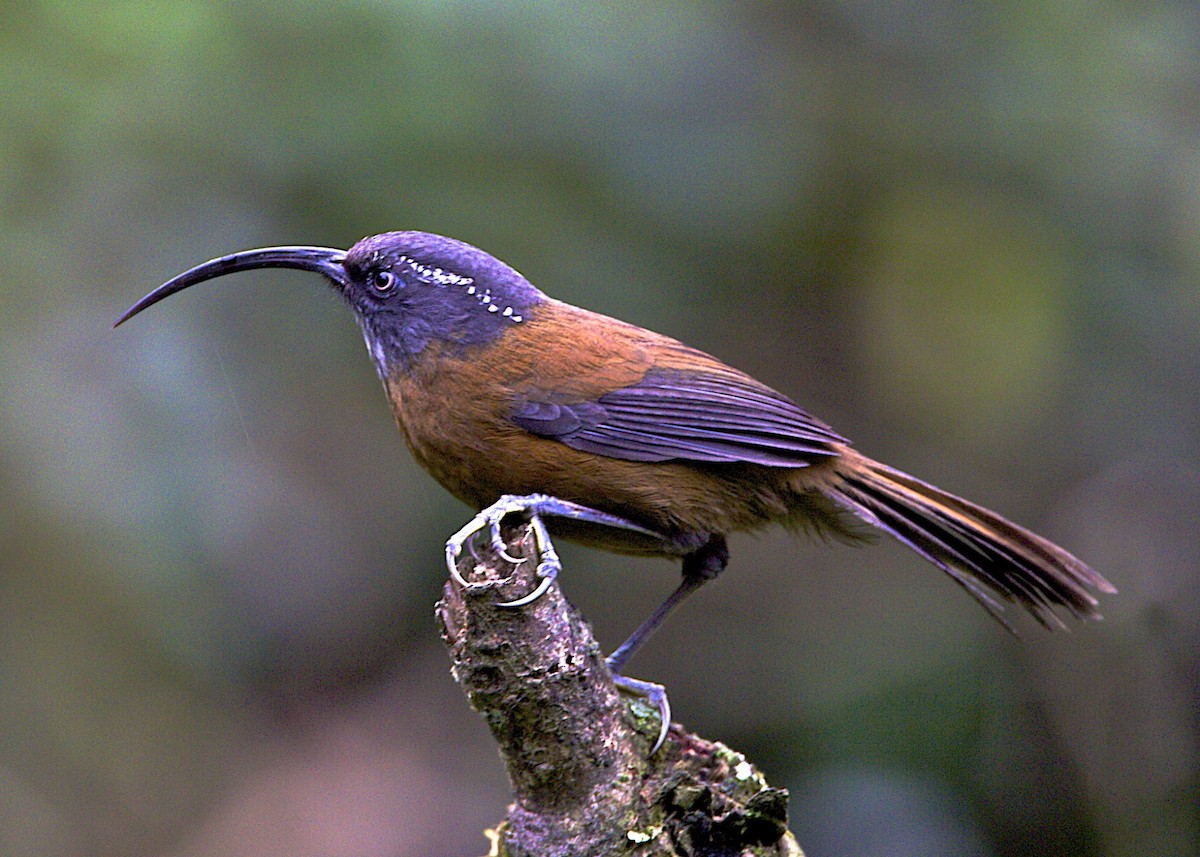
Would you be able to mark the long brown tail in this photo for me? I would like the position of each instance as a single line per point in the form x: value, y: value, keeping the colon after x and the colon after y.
x: 980, y: 550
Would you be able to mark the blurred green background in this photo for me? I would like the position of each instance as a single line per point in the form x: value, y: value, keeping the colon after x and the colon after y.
x: 965, y: 234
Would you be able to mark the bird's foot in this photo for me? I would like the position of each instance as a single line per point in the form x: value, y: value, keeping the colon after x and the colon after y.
x: 656, y: 695
x: 532, y: 507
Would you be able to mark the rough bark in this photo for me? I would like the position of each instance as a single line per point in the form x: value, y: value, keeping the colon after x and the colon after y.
x: 577, y: 751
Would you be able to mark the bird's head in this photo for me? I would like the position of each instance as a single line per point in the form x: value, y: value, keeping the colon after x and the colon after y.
x: 407, y: 290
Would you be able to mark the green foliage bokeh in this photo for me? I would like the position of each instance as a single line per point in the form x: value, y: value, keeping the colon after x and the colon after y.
x: 965, y: 234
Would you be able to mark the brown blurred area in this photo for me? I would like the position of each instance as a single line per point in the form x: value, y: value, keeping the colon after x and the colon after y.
x: 966, y: 235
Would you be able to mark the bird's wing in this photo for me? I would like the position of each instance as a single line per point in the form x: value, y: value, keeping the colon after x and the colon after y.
x: 685, y: 414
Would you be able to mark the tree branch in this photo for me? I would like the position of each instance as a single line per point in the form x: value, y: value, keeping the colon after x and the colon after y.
x: 576, y: 750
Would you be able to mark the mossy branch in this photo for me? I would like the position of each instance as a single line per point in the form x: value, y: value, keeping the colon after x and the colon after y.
x: 576, y: 750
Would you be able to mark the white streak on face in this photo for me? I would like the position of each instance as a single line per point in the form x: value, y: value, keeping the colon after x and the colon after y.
x: 375, y: 349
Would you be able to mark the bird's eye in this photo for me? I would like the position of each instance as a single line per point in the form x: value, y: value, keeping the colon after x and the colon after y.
x: 382, y: 282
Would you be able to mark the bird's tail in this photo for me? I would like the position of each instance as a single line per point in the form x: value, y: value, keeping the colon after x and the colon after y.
x: 984, y: 553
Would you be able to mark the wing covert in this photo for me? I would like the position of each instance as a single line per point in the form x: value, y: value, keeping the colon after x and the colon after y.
x: 688, y: 415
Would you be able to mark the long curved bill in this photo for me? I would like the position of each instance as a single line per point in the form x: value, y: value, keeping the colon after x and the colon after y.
x: 321, y: 260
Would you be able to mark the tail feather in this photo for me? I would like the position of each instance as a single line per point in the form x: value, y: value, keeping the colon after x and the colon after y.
x: 981, y: 551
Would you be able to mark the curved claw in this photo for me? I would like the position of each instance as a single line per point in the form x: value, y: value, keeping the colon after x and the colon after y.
x: 471, y: 549
x: 656, y: 694
x: 532, y: 507
x: 452, y: 552
x: 544, y: 584
x: 499, y: 546
x: 511, y: 560
x: 490, y: 519
x: 548, y: 567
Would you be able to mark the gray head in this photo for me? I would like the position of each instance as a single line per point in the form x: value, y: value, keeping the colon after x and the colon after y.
x: 407, y: 290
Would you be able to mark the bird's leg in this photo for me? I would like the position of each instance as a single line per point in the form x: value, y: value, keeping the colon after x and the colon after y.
x: 533, y: 507
x: 700, y: 566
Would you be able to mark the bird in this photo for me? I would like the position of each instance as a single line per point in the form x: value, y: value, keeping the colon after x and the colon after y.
x: 609, y: 434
